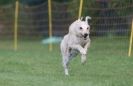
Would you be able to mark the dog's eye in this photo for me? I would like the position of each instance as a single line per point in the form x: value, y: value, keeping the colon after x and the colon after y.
x: 87, y: 28
x: 80, y: 28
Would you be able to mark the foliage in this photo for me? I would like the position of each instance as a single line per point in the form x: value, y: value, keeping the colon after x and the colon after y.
x: 3, y: 2
x: 87, y: 3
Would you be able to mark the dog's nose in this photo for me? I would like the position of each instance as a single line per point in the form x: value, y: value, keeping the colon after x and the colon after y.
x: 85, y: 35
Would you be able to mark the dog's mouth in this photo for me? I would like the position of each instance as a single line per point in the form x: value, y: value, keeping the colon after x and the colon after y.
x: 85, y: 36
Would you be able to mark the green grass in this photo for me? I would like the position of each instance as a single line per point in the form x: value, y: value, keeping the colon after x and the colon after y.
x: 34, y: 65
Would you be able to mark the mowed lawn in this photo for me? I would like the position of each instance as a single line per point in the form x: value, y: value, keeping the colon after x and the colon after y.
x: 33, y: 65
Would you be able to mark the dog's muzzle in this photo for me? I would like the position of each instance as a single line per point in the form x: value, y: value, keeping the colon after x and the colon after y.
x: 85, y: 35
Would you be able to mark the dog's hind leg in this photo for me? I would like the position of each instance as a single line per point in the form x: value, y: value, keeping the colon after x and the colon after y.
x: 65, y: 64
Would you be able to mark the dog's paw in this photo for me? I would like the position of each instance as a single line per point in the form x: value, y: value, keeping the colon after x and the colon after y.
x: 83, y: 62
x: 83, y: 59
x: 66, y: 72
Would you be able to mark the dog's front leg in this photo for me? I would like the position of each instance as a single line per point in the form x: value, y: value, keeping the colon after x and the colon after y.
x: 83, y: 56
x: 79, y: 48
x: 86, y: 46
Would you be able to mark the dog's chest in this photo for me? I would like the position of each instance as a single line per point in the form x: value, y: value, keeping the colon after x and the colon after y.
x: 82, y: 42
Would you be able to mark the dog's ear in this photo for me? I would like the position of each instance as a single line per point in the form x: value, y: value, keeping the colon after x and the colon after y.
x: 79, y: 19
x: 82, y: 19
x: 87, y: 19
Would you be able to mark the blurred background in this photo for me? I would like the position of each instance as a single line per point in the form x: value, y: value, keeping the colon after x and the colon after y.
x: 110, y: 19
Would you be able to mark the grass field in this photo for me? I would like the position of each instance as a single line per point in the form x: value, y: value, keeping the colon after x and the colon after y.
x: 34, y: 65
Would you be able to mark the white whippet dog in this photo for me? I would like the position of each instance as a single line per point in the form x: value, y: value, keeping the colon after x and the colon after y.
x: 76, y: 41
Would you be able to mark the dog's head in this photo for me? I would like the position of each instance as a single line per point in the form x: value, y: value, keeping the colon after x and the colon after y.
x: 81, y: 27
